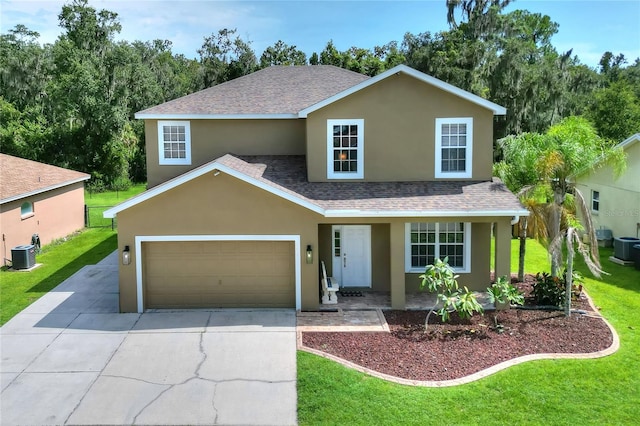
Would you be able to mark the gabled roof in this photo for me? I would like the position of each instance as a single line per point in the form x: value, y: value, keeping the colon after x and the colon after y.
x: 289, y: 92
x: 273, y: 92
x: 497, y: 109
x: 20, y: 178
x: 285, y: 176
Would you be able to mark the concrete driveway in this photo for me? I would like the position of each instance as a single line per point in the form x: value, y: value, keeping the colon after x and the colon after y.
x: 70, y: 358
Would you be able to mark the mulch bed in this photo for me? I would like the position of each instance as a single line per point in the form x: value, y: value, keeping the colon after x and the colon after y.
x: 463, y: 347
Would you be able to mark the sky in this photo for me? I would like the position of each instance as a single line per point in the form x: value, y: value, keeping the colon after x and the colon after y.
x: 589, y: 27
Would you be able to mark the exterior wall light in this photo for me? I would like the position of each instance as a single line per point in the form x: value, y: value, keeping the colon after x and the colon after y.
x: 126, y: 256
x: 309, y: 256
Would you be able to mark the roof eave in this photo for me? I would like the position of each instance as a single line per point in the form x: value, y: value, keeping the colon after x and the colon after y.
x: 425, y: 213
x: 41, y: 190
x: 157, y: 116
x: 216, y: 166
x: 629, y: 141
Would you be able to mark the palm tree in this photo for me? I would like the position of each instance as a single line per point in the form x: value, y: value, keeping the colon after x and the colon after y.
x: 541, y: 169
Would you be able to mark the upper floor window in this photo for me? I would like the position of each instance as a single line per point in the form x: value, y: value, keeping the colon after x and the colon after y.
x: 26, y: 210
x: 454, y: 147
x: 345, y: 149
x: 595, y: 201
x: 174, y: 142
x: 428, y: 241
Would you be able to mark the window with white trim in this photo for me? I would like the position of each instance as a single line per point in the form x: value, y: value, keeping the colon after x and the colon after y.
x: 26, y: 209
x: 427, y: 241
x: 454, y: 147
x: 174, y: 142
x: 345, y: 149
x: 595, y: 201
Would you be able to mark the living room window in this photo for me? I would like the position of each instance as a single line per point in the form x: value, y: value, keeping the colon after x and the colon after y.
x: 174, y: 142
x: 595, y: 201
x: 345, y: 149
x: 428, y: 241
x: 454, y: 147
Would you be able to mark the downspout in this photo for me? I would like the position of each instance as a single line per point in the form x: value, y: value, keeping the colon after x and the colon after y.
x: 515, y: 220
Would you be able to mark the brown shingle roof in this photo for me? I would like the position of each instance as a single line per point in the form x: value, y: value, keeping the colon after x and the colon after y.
x: 286, y: 176
x: 273, y: 90
x: 20, y: 178
x: 288, y: 173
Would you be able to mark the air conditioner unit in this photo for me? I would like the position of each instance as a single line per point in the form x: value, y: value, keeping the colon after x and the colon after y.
x: 604, y: 237
x: 23, y: 257
x: 622, y: 247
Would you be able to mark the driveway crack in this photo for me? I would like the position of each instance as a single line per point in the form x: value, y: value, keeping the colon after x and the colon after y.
x: 196, y: 376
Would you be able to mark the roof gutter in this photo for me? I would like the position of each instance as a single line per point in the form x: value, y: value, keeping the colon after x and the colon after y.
x: 156, y: 116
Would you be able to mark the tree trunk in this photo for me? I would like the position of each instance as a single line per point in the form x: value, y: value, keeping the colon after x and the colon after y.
x: 556, y: 254
x: 523, y: 248
x: 569, y: 276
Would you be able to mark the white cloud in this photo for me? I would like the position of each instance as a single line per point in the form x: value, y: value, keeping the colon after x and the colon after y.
x: 185, y: 23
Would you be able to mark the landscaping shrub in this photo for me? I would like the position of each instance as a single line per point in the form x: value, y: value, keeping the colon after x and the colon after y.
x: 548, y: 290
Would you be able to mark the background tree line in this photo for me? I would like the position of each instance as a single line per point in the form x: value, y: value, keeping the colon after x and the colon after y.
x: 72, y: 103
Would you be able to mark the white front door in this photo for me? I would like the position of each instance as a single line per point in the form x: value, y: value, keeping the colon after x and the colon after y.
x: 352, y: 255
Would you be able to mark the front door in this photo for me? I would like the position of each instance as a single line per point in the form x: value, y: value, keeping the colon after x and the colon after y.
x: 352, y: 255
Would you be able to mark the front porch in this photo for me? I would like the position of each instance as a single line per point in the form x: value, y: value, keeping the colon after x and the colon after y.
x: 368, y: 300
x: 382, y: 261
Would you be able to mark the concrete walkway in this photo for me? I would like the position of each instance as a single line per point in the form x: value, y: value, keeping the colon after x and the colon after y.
x: 70, y: 358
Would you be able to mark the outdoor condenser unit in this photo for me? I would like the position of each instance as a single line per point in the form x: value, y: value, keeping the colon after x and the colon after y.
x: 622, y: 247
x: 23, y: 257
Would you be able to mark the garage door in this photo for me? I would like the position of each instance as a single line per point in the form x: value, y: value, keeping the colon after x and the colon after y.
x: 219, y: 274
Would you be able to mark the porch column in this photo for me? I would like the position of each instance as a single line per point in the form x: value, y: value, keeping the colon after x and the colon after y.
x: 396, y: 240
x: 503, y: 248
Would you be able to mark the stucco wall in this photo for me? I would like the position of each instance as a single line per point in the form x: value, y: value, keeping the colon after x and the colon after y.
x: 56, y: 214
x: 399, y: 130
x: 212, y: 205
x: 619, y: 198
x: 219, y: 205
x: 211, y: 139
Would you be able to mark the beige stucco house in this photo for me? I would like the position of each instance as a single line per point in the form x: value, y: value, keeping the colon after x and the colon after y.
x: 37, y: 198
x: 615, y: 203
x: 254, y: 182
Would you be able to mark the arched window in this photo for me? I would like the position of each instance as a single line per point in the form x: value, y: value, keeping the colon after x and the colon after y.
x: 26, y: 209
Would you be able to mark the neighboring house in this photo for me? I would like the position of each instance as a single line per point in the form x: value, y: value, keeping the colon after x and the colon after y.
x: 615, y: 203
x: 37, y: 198
x: 255, y: 181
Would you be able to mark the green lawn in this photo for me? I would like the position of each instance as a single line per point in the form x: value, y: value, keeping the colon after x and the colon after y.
x: 559, y: 392
x: 61, y: 259
x: 98, y: 202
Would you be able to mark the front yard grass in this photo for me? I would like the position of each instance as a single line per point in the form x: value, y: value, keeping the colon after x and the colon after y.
x: 59, y: 261
x: 559, y: 392
x: 62, y: 258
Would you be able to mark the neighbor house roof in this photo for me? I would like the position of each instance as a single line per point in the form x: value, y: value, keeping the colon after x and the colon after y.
x: 289, y: 92
x: 20, y: 178
x: 286, y: 177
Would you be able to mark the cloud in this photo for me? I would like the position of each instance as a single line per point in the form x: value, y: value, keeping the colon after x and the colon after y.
x: 185, y: 23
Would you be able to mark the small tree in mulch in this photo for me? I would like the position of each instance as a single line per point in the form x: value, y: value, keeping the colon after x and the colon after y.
x: 502, y: 293
x: 440, y: 278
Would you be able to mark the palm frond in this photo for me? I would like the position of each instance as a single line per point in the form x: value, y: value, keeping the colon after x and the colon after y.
x: 581, y: 205
x: 583, y: 249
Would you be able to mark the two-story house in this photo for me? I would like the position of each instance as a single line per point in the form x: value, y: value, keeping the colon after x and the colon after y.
x: 254, y: 182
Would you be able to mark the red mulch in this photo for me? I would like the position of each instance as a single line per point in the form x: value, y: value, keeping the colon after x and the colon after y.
x: 462, y: 347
